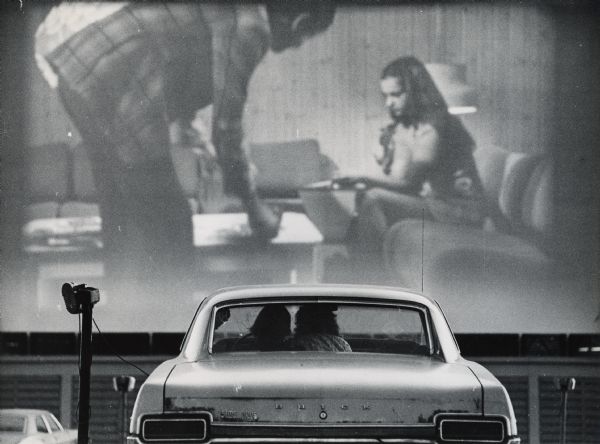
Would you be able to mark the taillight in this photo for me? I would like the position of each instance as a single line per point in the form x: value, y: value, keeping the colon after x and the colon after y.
x: 175, y: 429
x: 471, y: 430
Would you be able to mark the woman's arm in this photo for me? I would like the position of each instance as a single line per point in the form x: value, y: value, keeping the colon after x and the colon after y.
x: 413, y: 156
x: 367, y: 181
x: 425, y: 148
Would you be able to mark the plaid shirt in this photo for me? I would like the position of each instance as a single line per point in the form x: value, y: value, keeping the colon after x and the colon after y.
x: 220, y: 45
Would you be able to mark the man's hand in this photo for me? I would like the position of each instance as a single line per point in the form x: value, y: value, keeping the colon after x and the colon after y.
x: 264, y: 221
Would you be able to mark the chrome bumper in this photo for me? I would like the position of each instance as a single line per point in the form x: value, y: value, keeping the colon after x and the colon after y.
x: 135, y: 440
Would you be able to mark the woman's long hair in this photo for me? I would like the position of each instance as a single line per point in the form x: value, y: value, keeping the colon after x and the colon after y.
x: 424, y: 101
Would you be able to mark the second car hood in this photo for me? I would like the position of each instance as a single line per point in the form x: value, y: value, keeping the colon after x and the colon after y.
x: 297, y: 387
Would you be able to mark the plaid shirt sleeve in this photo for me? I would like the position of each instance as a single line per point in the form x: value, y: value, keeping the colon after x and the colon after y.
x: 239, y: 43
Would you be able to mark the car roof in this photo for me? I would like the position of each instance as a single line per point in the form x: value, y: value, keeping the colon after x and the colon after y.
x: 318, y: 290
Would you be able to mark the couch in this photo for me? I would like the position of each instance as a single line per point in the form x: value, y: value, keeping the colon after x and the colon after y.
x: 509, y: 260
x: 62, y: 210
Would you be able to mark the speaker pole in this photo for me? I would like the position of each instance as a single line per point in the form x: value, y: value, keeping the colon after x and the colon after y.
x: 84, y: 373
x: 80, y: 299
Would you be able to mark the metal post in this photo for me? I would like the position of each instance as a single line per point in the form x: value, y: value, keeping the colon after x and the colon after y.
x: 80, y: 299
x: 125, y: 416
x: 563, y: 416
x: 565, y: 386
x: 124, y: 384
x: 84, y: 373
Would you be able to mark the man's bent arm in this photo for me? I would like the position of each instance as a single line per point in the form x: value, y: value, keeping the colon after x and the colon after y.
x: 239, y: 43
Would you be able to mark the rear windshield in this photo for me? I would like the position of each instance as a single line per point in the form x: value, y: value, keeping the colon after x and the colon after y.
x: 325, y: 327
x: 12, y: 423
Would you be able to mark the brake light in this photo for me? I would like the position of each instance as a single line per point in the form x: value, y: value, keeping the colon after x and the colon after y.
x: 176, y: 429
x: 472, y: 430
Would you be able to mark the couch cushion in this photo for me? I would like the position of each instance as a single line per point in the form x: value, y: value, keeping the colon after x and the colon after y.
x: 517, y: 171
x: 505, y: 177
x: 284, y: 167
x: 78, y: 209
x: 490, y: 161
x: 62, y: 234
x: 537, y: 207
x: 40, y: 210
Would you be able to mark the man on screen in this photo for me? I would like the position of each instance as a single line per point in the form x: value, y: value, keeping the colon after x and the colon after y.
x: 125, y: 71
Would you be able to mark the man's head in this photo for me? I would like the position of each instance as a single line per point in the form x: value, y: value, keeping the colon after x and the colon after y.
x: 317, y: 319
x: 408, y: 90
x: 292, y: 22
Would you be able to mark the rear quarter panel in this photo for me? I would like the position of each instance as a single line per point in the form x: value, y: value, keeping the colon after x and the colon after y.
x: 495, y: 397
x: 150, y: 398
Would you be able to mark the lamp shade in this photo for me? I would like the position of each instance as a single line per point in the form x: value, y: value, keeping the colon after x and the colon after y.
x: 451, y: 80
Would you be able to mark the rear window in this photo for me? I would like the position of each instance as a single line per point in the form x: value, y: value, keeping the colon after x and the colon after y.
x: 326, y: 327
x: 12, y: 423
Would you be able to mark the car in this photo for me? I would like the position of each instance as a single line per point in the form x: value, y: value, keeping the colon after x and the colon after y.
x: 32, y: 426
x: 321, y: 363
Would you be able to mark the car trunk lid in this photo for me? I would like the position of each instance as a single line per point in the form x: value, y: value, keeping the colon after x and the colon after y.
x: 305, y: 387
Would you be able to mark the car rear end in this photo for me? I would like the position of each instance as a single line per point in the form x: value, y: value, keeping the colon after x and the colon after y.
x: 404, y: 380
x: 339, y: 398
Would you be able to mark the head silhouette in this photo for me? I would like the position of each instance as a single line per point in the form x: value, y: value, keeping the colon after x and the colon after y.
x: 271, y: 326
x: 293, y: 22
x: 316, y: 319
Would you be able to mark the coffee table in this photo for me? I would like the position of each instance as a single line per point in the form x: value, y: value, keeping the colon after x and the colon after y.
x: 225, y: 246
x: 227, y: 254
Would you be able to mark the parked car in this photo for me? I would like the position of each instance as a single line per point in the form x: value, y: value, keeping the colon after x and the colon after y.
x: 29, y: 426
x: 321, y: 363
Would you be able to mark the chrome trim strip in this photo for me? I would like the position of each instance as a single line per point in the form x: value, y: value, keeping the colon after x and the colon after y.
x: 407, y: 441
x: 490, y: 417
x: 293, y: 440
x: 135, y: 440
x: 473, y: 420
x: 319, y: 425
x: 429, y: 327
x: 144, y: 422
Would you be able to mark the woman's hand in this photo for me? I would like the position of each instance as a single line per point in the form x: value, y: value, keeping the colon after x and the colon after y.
x: 351, y: 181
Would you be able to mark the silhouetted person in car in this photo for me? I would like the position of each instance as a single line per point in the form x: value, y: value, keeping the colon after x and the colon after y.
x: 271, y: 327
x: 317, y: 330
